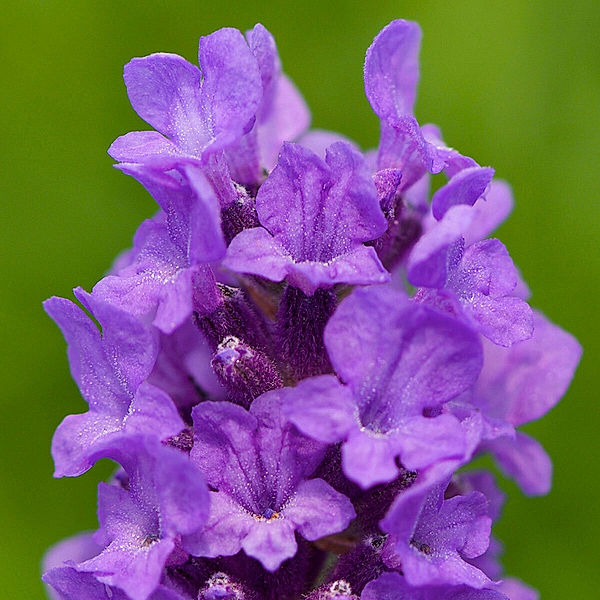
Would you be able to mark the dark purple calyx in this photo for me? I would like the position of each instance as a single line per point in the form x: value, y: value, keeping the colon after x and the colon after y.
x: 293, y: 580
x: 235, y: 316
x: 244, y: 371
x: 301, y: 321
x: 363, y: 564
x: 403, y: 231
x: 240, y: 214
x: 190, y: 576
x: 371, y: 505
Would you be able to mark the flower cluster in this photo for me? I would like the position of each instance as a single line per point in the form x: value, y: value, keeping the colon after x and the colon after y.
x: 301, y: 350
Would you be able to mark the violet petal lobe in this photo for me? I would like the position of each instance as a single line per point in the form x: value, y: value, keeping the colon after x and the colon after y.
x: 271, y: 543
x: 392, y: 586
x: 492, y: 209
x: 282, y: 114
x: 521, y: 383
x: 129, y: 562
x: 322, y: 407
x: 109, y: 366
x: 318, y: 140
x: 466, y: 187
x: 525, y: 460
x: 370, y: 316
x: 227, y: 525
x: 257, y: 252
x: 484, y: 281
x: 359, y: 266
x: 369, y: 460
x: 317, y: 510
x: 232, y: 87
x: 517, y: 590
x: 147, y: 147
x: 76, y: 548
x: 165, y: 90
x: 392, y: 69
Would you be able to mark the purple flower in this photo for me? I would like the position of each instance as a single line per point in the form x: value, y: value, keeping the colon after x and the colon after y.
x: 195, y: 112
x: 391, y: 393
x: 231, y: 115
x: 70, y: 584
x: 391, y: 77
x: 432, y: 537
x: 479, y: 281
x: 111, y: 371
x: 140, y: 525
x: 168, y: 266
x: 280, y: 434
x: 315, y: 215
x: 282, y: 114
x: 259, y: 466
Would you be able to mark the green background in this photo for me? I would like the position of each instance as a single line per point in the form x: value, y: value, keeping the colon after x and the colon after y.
x: 514, y: 84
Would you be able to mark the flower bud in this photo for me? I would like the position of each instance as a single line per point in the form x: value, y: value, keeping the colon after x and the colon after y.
x: 244, y: 371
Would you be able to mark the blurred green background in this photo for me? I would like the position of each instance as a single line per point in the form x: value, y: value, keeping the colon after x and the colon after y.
x: 514, y: 84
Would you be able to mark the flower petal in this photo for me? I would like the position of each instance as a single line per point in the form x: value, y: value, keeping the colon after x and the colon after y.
x: 165, y: 90
x: 525, y: 460
x: 392, y: 69
x: 318, y: 510
x: 466, y: 187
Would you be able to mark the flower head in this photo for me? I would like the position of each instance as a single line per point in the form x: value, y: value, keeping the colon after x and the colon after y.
x: 301, y: 350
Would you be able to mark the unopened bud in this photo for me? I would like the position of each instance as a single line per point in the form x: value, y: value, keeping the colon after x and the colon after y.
x: 338, y: 590
x: 245, y: 371
x: 220, y: 587
x: 235, y: 316
x: 239, y: 215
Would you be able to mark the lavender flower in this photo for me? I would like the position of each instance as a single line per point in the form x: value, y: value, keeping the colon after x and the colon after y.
x: 260, y: 466
x: 331, y: 207
x: 287, y: 415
